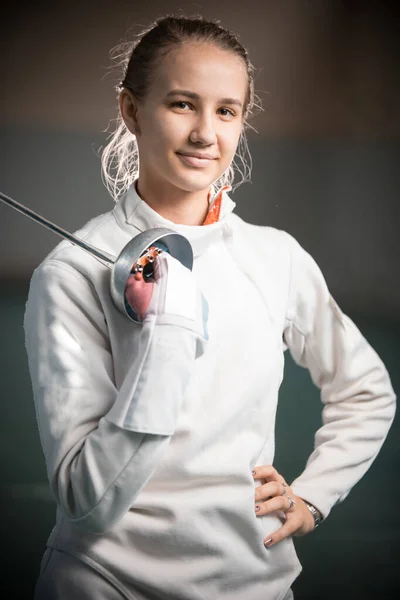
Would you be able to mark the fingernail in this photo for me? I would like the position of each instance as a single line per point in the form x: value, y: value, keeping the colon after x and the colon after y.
x: 253, y: 472
x: 257, y: 508
x: 268, y: 543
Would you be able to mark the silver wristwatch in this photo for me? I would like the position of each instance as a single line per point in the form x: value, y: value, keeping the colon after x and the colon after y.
x: 315, y: 513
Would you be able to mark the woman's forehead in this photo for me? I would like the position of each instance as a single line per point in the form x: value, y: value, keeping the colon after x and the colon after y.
x: 201, y: 69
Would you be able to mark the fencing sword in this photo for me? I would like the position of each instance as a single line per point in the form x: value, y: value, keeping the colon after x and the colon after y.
x: 128, y: 260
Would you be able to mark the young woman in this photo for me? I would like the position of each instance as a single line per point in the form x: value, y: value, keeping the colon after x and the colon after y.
x: 159, y: 435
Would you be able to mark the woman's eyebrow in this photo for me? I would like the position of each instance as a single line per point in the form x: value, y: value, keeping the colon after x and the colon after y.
x: 195, y: 96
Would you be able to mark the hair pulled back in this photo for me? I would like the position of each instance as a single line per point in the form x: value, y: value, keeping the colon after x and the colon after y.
x: 138, y: 60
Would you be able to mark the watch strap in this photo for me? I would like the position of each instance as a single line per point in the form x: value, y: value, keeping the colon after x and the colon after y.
x: 315, y: 513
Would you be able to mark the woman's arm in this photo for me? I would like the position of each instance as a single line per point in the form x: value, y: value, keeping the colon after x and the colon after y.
x: 359, y: 401
x: 101, y: 444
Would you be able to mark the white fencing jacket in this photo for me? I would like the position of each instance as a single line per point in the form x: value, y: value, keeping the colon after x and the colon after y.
x: 150, y: 461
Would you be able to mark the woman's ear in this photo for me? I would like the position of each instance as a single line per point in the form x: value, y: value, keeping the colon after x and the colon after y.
x: 128, y: 108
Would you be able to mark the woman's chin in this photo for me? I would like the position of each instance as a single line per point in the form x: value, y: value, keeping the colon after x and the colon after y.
x: 196, y: 182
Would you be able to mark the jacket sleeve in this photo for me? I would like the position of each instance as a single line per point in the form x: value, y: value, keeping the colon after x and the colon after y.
x: 98, y: 457
x: 356, y: 392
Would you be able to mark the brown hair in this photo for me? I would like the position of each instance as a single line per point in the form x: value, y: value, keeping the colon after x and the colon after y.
x: 138, y: 60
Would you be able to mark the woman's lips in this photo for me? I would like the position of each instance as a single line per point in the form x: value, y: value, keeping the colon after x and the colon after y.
x: 194, y: 161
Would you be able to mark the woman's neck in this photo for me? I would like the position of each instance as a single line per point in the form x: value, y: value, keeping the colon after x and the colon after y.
x: 185, y: 208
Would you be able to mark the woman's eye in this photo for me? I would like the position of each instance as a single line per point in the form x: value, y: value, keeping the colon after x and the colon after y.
x: 180, y: 104
x: 227, y: 112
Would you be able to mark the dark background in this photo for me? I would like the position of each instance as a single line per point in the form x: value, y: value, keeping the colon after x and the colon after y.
x: 326, y: 169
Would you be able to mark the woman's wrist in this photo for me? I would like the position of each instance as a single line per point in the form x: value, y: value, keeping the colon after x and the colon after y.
x: 315, y: 513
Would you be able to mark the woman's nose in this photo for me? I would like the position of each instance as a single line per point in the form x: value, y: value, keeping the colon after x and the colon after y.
x: 203, y: 131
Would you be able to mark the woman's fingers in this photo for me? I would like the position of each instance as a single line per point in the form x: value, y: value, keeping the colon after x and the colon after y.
x: 284, y: 503
x: 273, y: 495
x: 299, y: 521
x: 267, y: 472
x: 290, y: 526
x: 274, y: 484
x: 268, y: 490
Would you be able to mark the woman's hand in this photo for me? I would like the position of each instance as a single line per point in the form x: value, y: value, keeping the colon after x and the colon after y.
x: 139, y: 289
x: 274, y: 494
x: 138, y: 293
x: 168, y: 293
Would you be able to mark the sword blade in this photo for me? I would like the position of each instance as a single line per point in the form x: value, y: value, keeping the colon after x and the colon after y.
x: 104, y: 256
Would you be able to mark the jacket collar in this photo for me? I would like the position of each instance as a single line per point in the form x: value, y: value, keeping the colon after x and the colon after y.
x: 133, y: 213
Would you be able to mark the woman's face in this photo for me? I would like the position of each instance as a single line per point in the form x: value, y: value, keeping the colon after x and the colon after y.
x: 190, y: 122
